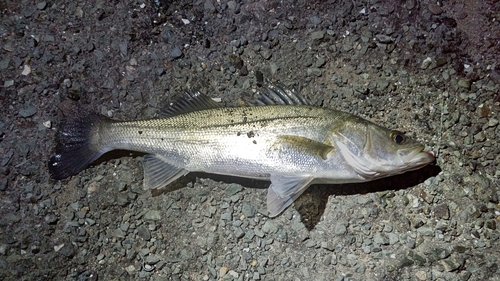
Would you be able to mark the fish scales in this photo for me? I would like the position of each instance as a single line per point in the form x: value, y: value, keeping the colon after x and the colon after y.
x: 207, y: 140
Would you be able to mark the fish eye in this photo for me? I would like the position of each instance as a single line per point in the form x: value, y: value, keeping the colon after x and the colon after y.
x: 397, y: 137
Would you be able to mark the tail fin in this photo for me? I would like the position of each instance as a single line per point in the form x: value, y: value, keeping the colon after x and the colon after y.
x: 74, y: 150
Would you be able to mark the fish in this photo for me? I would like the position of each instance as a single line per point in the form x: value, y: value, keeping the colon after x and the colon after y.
x: 282, y: 138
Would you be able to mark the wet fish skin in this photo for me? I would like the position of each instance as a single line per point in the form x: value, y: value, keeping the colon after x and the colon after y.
x: 290, y: 143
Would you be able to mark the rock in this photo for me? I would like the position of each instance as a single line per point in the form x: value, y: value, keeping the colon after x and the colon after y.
x: 152, y: 215
x: 451, y: 264
x: 340, y: 228
x: 26, y: 70
x: 434, y: 8
x: 269, y: 227
x: 442, y: 211
x: 426, y: 231
x: 175, y: 53
x: 464, y: 83
x: 317, y: 35
x: 421, y: 275
x: 27, y: 111
x: 41, y: 5
x: 143, y: 232
x: 232, y: 189
x: 384, y: 39
x: 209, y: 6
x: 152, y: 259
x: 393, y: 238
x: 381, y: 239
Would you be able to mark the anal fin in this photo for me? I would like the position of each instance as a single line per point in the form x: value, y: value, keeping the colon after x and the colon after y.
x: 284, y: 190
x: 158, y: 173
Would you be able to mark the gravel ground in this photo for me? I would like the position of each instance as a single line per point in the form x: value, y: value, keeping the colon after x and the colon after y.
x: 428, y: 68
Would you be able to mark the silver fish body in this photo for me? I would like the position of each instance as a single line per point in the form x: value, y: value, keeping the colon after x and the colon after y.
x: 292, y: 145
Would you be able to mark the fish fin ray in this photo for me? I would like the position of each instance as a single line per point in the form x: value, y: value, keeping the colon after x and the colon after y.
x: 284, y: 190
x: 276, y: 93
x: 192, y: 101
x: 74, y: 151
x: 158, y: 173
x: 307, y: 145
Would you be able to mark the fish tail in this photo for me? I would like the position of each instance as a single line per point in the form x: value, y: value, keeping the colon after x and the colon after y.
x: 75, y: 149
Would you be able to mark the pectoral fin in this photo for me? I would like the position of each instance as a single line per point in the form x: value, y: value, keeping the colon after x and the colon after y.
x: 284, y: 190
x: 158, y: 173
x: 305, y: 145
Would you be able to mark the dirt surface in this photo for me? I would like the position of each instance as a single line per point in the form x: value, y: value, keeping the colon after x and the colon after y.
x: 428, y: 68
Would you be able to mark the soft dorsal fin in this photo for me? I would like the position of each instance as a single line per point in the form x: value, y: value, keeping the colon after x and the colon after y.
x: 192, y: 101
x: 275, y: 93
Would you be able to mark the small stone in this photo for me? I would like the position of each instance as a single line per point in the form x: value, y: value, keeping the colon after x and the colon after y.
x: 451, y: 264
x: 464, y: 83
x: 175, y: 53
x: 152, y: 215
x: 152, y: 259
x: 442, y: 211
x: 427, y: 62
x: 314, y: 72
x: 269, y: 227
x: 421, y: 275
x: 226, y: 216
x: 239, y: 233
x: 393, y: 238
x: 248, y: 210
x: 340, y: 228
x: 380, y: 239
x: 209, y: 6
x: 384, y: 39
x: 67, y: 250
x: 79, y: 12
x: 434, y: 8
x: 223, y: 271
x: 27, y: 111
x: 4, y: 63
x: 26, y: 70
x: 8, y: 83
x: 266, y: 54
x: 143, y: 232
x: 232, y: 189
x: 41, y: 5
x: 426, y: 231
x: 51, y: 219
x: 492, y: 123
x: 317, y: 35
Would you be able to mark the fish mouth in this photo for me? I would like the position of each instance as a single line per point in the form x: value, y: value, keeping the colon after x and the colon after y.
x: 416, y: 157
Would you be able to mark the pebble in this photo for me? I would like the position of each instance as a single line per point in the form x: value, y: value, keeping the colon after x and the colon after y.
x: 175, y: 53
x: 434, y: 8
x: 152, y: 215
x: 233, y: 189
x: 464, y: 83
x: 442, y: 211
x: 143, y: 232
x: 26, y: 70
x: 317, y: 35
x: 421, y: 275
x: 27, y: 111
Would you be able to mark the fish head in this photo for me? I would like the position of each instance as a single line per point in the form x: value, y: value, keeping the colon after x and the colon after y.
x: 375, y: 152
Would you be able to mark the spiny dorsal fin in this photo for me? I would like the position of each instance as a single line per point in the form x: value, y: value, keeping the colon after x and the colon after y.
x: 276, y: 93
x: 192, y: 101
